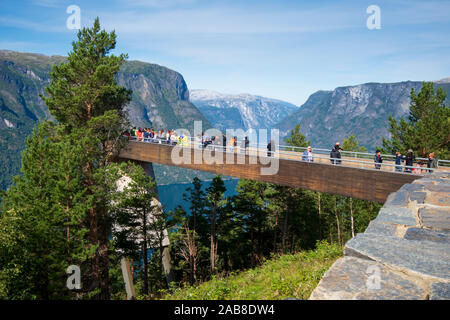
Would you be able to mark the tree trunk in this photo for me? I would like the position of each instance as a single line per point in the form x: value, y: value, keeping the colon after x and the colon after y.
x: 252, y: 246
x: 144, y: 231
x: 161, y: 253
x: 320, y: 212
x: 337, y: 222
x: 351, y: 217
x: 275, y: 246
x: 213, y: 242
x: 104, y: 257
x: 284, y: 236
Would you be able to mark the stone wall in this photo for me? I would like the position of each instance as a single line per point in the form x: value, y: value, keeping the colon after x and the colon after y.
x: 403, y: 254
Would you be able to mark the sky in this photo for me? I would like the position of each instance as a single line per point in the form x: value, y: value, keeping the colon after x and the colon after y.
x: 280, y: 49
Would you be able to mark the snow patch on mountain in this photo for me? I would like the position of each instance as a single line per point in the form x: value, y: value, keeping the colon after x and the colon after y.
x: 240, y: 110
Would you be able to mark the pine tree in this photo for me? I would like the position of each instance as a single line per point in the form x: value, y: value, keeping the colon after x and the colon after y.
x: 89, y: 106
x: 134, y: 217
x: 351, y: 144
x: 194, y: 228
x: 250, y: 204
x: 68, y: 177
x: 427, y: 128
x: 297, y: 139
x: 215, y: 202
x: 41, y: 218
x: 197, y: 199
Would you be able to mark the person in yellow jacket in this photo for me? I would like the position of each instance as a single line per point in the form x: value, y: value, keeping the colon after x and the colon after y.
x: 231, y: 144
x: 185, y: 141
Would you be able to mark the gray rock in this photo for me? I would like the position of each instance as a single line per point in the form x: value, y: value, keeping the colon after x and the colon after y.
x: 425, y: 234
x: 440, y: 291
x: 439, y: 188
x: 411, y: 187
x: 417, y: 196
x: 426, y: 181
x: 353, y: 278
x: 400, y: 199
x: 389, y: 199
x: 407, y: 249
x: 381, y: 228
x: 426, y: 258
x: 441, y: 199
x: 435, y: 218
x: 396, y: 215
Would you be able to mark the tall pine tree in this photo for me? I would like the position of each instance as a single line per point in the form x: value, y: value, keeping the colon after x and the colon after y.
x: 427, y: 128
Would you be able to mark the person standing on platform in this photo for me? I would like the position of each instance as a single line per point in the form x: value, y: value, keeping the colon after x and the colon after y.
x: 224, y: 142
x: 335, y: 154
x: 378, y: 160
x: 432, y: 162
x: 398, y: 161
x: 307, y: 155
x: 246, y: 144
x: 409, y: 160
x: 269, y: 149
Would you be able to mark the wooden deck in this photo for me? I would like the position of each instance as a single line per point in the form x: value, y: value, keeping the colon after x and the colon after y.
x: 360, y: 183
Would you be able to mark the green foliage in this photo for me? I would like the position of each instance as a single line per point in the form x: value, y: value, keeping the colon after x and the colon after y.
x: 190, y: 243
x: 25, y: 75
x: 351, y: 144
x: 41, y: 218
x: 297, y: 139
x: 251, y: 207
x: 133, y: 212
x: 287, y: 276
x: 427, y: 128
x: 263, y: 220
x: 59, y: 212
x: 84, y: 87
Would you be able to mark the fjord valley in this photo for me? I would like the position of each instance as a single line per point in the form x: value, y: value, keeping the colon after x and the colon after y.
x: 97, y: 194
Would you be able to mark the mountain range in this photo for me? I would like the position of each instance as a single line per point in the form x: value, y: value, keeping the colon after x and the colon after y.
x: 363, y: 110
x: 240, y: 111
x: 160, y: 99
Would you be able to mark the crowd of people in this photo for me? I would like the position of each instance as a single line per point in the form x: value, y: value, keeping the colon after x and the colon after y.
x: 161, y: 136
x: 171, y: 137
x: 409, y: 160
x: 403, y: 163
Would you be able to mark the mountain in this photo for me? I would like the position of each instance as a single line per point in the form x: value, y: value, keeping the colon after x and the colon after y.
x: 160, y: 99
x: 226, y: 111
x: 363, y: 110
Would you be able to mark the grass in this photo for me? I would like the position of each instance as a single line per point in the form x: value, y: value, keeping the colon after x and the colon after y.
x: 287, y: 276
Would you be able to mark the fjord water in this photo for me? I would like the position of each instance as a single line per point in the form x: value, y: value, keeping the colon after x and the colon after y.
x: 171, y: 195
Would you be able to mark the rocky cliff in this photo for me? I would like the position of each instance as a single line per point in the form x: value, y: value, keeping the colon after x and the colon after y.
x: 160, y: 99
x: 403, y: 255
x: 363, y: 110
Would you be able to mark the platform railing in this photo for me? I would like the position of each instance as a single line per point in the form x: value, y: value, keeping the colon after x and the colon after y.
x: 289, y: 153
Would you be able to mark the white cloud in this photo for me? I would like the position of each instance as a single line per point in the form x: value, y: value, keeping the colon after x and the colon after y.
x: 229, y: 20
x: 50, y: 3
x: 42, y: 26
x: 156, y: 3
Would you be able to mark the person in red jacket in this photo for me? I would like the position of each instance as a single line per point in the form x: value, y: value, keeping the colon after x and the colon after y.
x: 378, y: 160
x: 139, y: 134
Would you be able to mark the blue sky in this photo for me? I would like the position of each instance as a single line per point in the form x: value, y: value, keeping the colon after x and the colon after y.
x: 278, y: 49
